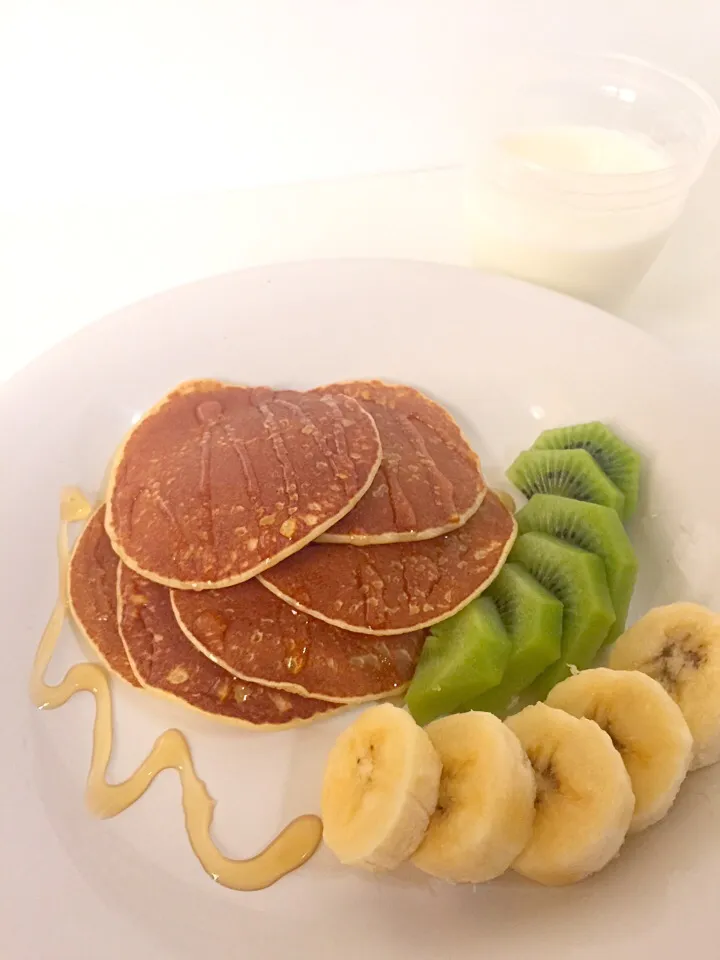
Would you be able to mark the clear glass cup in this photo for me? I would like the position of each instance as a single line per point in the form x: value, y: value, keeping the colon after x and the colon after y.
x: 577, y: 181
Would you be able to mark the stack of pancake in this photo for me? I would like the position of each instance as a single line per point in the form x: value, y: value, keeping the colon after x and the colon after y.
x: 268, y: 556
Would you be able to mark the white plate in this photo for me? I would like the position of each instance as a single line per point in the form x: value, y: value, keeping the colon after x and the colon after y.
x: 508, y: 360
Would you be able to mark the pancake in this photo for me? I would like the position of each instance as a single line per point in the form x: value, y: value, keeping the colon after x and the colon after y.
x: 429, y: 481
x: 166, y: 662
x: 397, y: 587
x: 256, y: 636
x: 92, y: 592
x: 219, y: 482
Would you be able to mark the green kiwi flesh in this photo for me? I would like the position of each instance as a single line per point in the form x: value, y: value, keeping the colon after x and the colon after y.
x: 565, y: 473
x: 615, y: 458
x: 591, y: 527
x: 533, y: 618
x: 462, y: 657
x: 577, y: 578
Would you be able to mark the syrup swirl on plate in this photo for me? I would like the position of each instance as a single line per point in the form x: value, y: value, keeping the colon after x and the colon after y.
x: 288, y: 851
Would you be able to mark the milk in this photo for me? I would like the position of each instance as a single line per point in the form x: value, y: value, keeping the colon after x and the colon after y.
x: 585, y: 150
x: 582, y: 209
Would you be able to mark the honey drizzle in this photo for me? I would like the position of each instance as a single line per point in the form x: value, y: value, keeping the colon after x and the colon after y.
x: 288, y: 851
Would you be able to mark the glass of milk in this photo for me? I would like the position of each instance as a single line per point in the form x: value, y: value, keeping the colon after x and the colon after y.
x: 579, y: 184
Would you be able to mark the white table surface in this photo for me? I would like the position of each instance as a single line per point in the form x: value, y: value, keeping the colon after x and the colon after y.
x: 66, y: 265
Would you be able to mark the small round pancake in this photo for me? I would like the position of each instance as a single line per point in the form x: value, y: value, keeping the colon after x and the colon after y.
x: 92, y: 593
x: 166, y: 662
x: 429, y: 481
x: 257, y: 636
x: 219, y: 482
x: 398, y: 587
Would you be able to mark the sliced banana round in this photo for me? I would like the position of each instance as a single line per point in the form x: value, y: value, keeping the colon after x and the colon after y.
x: 584, y: 798
x: 679, y: 646
x: 485, y: 810
x: 380, y: 788
x: 645, y: 725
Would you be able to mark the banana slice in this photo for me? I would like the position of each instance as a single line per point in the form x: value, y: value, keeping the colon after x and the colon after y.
x: 679, y: 646
x: 380, y: 788
x: 584, y: 798
x: 644, y: 724
x: 486, y: 807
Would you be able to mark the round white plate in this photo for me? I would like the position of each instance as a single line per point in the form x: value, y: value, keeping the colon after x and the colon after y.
x: 508, y: 360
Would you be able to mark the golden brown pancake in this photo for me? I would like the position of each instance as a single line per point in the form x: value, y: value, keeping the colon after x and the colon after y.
x: 219, y: 482
x: 397, y: 587
x: 257, y: 636
x: 92, y: 590
x: 429, y: 481
x: 165, y: 661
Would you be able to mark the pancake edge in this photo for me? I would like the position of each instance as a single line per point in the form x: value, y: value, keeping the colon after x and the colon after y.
x: 373, y: 539
x: 215, y: 717
x: 377, y: 539
x: 277, y: 685
x: 408, y: 628
x: 246, y: 574
x: 77, y: 621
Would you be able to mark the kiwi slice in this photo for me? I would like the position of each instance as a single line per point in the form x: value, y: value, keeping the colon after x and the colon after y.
x: 463, y: 656
x: 533, y: 618
x: 577, y: 578
x: 594, y: 528
x: 565, y: 473
x: 619, y: 461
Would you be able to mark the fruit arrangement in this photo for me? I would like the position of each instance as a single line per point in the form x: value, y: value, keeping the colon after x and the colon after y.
x: 516, y: 753
x: 551, y: 792
x: 564, y: 592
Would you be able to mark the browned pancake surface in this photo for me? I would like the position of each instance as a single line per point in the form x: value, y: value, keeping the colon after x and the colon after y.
x: 257, y: 636
x: 429, y: 481
x: 398, y: 587
x: 92, y: 587
x: 218, y: 482
x: 166, y: 661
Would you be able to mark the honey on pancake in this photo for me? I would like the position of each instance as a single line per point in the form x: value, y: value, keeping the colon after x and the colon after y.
x: 218, y: 482
x: 297, y: 656
x: 288, y: 851
x: 257, y: 637
x: 396, y: 588
x: 167, y: 663
x: 429, y: 482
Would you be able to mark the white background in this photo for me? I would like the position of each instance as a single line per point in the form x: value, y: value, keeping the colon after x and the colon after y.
x: 132, y: 131
x: 147, y: 95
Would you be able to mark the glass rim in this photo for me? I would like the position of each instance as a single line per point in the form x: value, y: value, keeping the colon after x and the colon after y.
x: 632, y: 182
